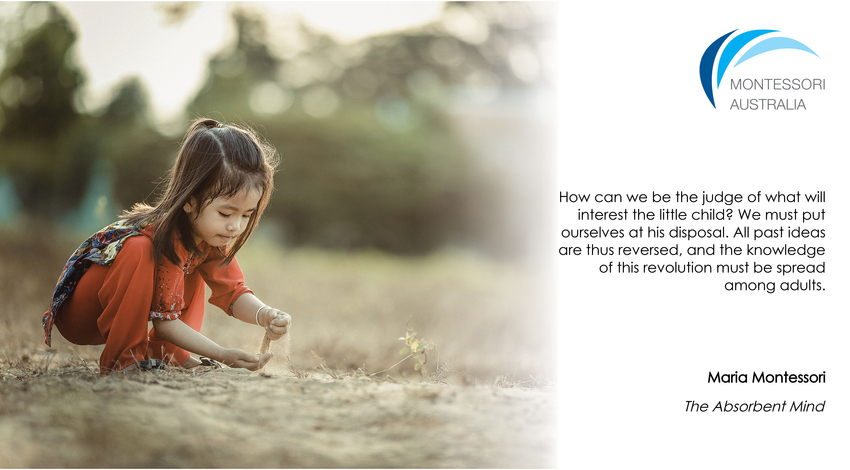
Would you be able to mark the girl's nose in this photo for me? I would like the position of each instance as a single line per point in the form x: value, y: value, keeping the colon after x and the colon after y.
x: 233, y: 226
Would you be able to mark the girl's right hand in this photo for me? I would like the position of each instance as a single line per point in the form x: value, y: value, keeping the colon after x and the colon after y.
x: 235, y: 357
x: 276, y: 322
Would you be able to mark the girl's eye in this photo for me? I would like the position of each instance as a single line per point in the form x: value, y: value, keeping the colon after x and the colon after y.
x: 246, y: 216
x: 223, y: 215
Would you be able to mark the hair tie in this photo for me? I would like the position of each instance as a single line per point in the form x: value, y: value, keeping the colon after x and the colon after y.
x: 211, y: 123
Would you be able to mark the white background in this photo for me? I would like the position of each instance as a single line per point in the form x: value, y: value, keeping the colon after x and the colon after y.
x: 634, y: 118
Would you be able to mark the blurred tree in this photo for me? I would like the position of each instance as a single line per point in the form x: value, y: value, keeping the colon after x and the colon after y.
x: 364, y: 164
x: 41, y: 79
x: 139, y: 155
x: 234, y: 72
x: 38, y: 87
x: 370, y: 157
x: 50, y: 150
x: 175, y: 13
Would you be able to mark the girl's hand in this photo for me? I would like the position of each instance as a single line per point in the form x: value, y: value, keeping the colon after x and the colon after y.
x: 275, y: 321
x: 234, y: 357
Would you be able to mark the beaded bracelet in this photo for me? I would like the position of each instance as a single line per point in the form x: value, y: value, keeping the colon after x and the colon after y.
x: 257, y: 315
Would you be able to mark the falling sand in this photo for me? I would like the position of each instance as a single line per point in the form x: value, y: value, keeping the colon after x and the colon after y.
x: 285, y: 348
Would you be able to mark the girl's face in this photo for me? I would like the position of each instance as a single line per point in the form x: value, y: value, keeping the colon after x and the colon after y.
x: 224, y: 219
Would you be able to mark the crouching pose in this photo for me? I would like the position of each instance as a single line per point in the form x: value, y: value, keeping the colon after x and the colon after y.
x: 154, y: 263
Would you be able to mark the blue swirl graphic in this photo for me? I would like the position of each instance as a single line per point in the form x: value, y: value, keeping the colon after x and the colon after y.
x: 735, y: 45
x: 773, y: 44
x: 706, y: 64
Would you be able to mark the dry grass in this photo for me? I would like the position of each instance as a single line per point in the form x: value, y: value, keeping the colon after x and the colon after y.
x: 336, y: 406
x: 350, y: 309
x: 487, y: 319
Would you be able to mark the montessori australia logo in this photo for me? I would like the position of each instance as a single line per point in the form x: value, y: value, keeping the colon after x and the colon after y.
x: 753, y: 43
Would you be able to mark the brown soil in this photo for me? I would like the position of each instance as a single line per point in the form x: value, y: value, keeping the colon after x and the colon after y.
x: 68, y: 416
x: 489, y: 321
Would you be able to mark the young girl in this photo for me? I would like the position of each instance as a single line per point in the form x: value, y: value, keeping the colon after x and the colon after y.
x: 153, y: 264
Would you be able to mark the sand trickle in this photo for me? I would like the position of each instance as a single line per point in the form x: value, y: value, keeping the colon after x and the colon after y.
x: 285, y: 340
x: 264, y: 348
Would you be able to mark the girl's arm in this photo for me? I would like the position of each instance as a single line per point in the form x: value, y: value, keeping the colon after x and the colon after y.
x: 276, y: 322
x: 184, y: 336
x: 228, y: 282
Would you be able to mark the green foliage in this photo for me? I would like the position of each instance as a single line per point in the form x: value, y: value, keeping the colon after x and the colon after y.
x: 370, y: 155
x: 350, y: 183
x: 48, y: 163
x: 40, y: 82
x: 139, y: 166
x: 378, y: 167
x: 234, y: 72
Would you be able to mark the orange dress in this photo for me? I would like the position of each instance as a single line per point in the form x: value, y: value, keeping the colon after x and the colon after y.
x: 113, y: 304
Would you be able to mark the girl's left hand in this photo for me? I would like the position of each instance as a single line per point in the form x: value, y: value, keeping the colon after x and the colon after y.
x: 275, y: 321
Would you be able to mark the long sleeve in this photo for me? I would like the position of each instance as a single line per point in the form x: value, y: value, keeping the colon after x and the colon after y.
x: 227, y: 283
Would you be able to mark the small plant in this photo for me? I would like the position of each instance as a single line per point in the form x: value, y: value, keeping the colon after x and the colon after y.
x: 416, y: 348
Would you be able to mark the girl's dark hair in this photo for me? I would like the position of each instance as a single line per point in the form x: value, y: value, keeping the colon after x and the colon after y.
x: 215, y: 160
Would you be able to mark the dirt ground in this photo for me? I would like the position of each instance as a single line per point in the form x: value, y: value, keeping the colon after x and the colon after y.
x: 68, y: 416
x: 485, y: 398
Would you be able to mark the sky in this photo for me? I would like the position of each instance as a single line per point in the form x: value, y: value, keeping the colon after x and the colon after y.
x: 120, y: 39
